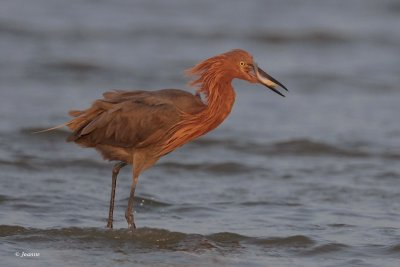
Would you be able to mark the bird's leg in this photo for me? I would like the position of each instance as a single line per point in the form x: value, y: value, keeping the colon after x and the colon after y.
x: 140, y: 163
x: 129, y: 210
x: 115, y: 172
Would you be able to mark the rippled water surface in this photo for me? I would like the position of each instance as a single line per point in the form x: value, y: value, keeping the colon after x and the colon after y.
x: 307, y: 180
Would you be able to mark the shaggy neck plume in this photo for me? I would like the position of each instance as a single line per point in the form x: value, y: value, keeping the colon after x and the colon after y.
x: 216, y: 86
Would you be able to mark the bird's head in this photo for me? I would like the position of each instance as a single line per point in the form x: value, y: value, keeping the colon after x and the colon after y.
x: 242, y: 66
x: 235, y: 64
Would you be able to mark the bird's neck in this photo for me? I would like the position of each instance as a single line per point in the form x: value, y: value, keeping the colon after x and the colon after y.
x: 219, y: 102
x: 219, y: 98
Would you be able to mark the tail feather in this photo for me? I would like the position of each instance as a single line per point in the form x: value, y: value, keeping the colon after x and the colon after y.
x: 81, y: 118
x: 52, y: 128
x: 73, y: 124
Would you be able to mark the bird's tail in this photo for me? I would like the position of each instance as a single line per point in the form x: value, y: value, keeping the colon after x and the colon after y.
x: 72, y: 124
x: 52, y: 128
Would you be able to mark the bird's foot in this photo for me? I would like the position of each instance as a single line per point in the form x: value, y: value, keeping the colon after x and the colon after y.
x: 132, y: 226
x: 130, y: 220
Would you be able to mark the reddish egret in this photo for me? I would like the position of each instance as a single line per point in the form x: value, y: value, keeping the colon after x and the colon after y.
x: 139, y: 127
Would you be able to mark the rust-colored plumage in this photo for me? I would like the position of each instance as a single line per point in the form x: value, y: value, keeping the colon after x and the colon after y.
x: 139, y: 127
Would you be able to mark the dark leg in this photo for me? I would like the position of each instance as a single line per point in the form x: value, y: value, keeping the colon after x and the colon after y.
x: 129, y: 210
x: 115, y: 172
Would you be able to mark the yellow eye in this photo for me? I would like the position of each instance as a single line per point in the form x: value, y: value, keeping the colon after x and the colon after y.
x: 241, y: 63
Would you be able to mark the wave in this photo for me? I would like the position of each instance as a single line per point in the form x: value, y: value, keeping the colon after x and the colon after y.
x: 319, y: 37
x: 150, y: 237
x: 228, y: 167
x: 309, y: 147
x: 8, y: 28
x: 19, y: 163
x: 40, y: 164
x: 269, y: 203
x: 293, y: 147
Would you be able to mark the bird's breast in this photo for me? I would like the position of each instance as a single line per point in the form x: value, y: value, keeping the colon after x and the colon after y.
x: 194, y: 126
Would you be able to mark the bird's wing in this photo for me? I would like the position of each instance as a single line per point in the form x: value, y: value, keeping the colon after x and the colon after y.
x: 180, y: 99
x: 131, y: 119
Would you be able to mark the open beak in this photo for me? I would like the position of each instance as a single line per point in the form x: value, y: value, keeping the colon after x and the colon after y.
x: 267, y: 80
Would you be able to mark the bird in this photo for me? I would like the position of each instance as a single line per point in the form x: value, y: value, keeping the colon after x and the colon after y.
x: 139, y: 127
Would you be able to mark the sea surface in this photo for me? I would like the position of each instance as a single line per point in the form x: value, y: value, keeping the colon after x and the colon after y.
x: 312, y: 179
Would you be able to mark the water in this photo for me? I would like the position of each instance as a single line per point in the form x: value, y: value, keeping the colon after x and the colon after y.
x: 307, y: 180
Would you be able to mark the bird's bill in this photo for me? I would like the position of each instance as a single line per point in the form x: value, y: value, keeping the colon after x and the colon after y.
x: 267, y: 80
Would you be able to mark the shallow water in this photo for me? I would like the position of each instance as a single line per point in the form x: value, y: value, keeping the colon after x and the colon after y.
x: 307, y: 180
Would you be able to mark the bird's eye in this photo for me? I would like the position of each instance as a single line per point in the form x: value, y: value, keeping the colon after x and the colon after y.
x: 241, y: 63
